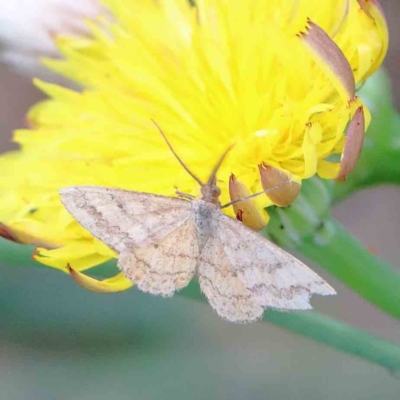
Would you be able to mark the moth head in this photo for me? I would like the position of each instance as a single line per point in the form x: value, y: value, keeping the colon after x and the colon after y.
x: 210, y: 192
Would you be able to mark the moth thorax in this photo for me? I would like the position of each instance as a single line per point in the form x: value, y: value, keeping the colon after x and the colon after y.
x: 210, y: 193
x: 205, y: 217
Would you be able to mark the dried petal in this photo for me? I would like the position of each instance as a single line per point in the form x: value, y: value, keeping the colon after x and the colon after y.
x: 7, y: 233
x: 284, y: 195
x: 330, y: 57
x: 354, y: 142
x: 246, y: 211
x: 117, y: 283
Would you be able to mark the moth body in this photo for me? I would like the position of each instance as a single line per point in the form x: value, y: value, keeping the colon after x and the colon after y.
x: 204, y: 215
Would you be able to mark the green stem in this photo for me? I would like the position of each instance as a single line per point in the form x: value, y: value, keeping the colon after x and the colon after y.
x: 315, y: 326
x: 335, y: 250
x: 331, y: 332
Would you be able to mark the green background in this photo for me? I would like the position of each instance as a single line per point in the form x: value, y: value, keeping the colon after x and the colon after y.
x: 60, y: 342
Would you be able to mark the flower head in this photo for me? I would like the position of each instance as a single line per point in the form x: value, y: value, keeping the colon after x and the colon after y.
x: 275, y: 78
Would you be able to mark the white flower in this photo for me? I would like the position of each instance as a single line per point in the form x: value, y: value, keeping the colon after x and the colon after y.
x: 28, y: 27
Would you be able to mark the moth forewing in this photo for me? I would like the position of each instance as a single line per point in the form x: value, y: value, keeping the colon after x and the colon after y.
x: 241, y: 272
x: 164, y: 265
x: 121, y: 218
x: 274, y: 277
x: 221, y: 285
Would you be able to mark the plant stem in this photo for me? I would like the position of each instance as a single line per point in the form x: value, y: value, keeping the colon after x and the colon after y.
x: 329, y: 331
x: 315, y: 326
x: 339, y: 335
x: 335, y: 250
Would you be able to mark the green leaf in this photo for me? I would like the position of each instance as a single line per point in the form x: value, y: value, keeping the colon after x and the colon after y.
x: 315, y: 326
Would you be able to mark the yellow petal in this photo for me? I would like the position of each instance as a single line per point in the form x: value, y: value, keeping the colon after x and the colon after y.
x: 310, y: 153
x: 118, y: 283
x: 327, y: 169
x: 374, y: 10
x: 83, y: 254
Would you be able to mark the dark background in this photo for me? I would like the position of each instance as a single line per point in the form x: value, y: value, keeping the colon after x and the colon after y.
x: 59, y: 342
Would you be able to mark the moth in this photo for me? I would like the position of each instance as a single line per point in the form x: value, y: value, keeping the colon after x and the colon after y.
x: 163, y: 242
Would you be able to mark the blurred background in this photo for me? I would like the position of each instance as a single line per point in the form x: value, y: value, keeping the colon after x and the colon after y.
x: 58, y: 341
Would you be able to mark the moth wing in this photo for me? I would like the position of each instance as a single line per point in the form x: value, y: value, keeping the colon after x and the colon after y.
x: 224, y: 290
x: 165, y: 265
x: 122, y: 218
x: 274, y: 277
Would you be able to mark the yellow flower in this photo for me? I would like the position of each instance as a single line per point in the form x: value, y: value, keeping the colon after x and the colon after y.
x: 275, y: 77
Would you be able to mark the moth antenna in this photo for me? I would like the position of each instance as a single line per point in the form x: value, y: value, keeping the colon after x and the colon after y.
x: 214, y: 171
x: 176, y: 155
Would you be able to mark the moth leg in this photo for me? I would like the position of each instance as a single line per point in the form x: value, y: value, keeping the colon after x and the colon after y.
x: 185, y: 195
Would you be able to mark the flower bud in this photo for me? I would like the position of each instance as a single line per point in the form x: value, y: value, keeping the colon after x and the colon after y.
x: 353, y: 146
x: 246, y: 211
x: 273, y: 182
